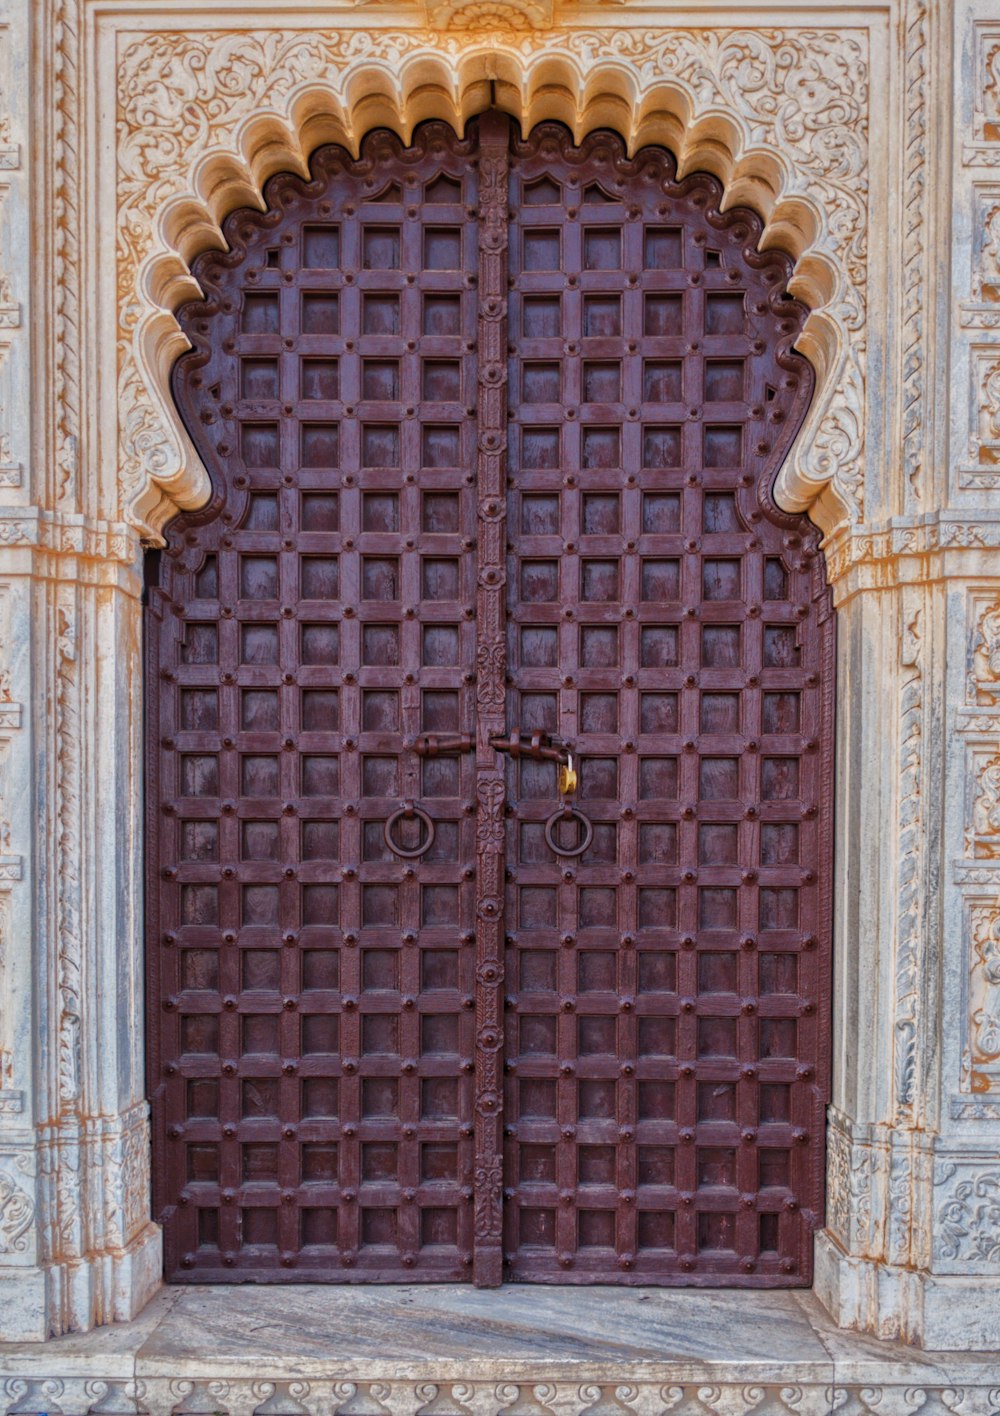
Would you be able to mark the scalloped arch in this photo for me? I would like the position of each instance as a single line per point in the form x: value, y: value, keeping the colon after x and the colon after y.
x: 208, y: 119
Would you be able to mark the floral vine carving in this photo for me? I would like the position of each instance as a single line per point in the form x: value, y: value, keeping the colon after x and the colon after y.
x: 17, y: 1213
x: 800, y: 92
x: 968, y: 1223
x: 908, y: 922
x: 986, y: 657
x: 986, y: 986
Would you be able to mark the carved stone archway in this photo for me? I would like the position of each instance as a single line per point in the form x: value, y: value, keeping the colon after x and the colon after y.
x: 780, y: 117
x: 136, y: 133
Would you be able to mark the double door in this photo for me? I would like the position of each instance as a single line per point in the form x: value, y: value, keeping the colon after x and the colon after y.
x: 489, y: 736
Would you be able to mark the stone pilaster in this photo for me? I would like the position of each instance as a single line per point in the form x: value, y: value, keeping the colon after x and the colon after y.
x: 912, y: 1247
x: 76, y: 1246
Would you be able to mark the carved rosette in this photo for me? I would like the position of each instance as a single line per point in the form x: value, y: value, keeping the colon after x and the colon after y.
x: 491, y: 661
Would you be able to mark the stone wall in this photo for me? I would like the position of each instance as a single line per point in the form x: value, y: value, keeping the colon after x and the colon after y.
x: 869, y: 141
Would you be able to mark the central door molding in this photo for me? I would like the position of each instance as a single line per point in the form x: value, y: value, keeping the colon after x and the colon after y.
x: 491, y: 691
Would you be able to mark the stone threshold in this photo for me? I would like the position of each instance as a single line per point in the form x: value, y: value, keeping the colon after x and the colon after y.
x: 516, y: 1351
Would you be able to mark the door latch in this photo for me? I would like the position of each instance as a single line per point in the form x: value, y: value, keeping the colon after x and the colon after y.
x: 443, y: 744
x: 539, y: 746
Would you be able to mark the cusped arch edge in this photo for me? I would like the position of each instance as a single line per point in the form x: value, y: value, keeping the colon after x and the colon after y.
x: 162, y: 472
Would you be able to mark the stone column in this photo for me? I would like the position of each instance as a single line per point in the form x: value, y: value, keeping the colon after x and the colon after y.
x: 912, y: 1247
x: 76, y: 1245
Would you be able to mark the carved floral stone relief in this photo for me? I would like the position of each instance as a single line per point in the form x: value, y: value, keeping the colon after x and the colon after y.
x: 192, y: 105
x: 967, y: 1218
x: 985, y: 676
x: 984, y: 837
x: 984, y: 989
x: 17, y: 1209
x: 980, y: 311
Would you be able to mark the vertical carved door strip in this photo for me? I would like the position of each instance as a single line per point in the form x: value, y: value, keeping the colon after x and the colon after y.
x: 405, y: 1022
x: 491, y: 670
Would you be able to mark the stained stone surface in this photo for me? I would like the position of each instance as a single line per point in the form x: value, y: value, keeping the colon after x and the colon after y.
x: 871, y: 134
x: 526, y: 1351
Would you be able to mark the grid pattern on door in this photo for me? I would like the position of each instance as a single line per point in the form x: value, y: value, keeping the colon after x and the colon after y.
x: 313, y: 1066
x: 665, y: 1061
x: 330, y: 1068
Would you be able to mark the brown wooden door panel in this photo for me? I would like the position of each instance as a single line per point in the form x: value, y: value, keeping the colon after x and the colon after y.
x: 313, y: 1070
x: 665, y: 1066
x: 381, y: 586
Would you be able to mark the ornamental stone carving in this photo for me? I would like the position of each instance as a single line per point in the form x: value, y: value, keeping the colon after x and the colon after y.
x: 986, y: 285
x: 986, y: 810
x: 985, y: 987
x: 17, y: 1214
x: 986, y: 658
x: 780, y: 115
x: 968, y: 1217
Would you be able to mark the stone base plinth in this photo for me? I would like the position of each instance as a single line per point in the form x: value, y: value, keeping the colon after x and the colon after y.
x: 455, y: 1351
x: 112, y: 1287
x: 949, y: 1313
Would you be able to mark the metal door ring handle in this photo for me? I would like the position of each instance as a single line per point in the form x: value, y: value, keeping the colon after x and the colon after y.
x: 568, y: 813
x: 407, y: 813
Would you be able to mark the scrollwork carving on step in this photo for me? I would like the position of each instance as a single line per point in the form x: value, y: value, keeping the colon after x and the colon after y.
x: 772, y: 1401
x: 526, y: 1400
x: 607, y: 1400
x: 185, y: 100
x: 361, y: 1399
x: 444, y: 1400
x: 692, y: 1401
x: 855, y: 1401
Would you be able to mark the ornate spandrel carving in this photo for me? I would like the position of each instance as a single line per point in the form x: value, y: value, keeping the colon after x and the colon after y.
x: 482, y: 16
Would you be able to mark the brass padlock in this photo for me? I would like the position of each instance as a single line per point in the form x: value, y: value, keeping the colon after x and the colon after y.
x: 568, y: 780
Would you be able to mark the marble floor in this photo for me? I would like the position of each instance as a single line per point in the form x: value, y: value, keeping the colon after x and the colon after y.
x: 452, y: 1350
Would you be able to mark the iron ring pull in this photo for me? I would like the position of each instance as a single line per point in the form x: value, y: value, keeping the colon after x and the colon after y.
x: 406, y: 813
x: 568, y: 813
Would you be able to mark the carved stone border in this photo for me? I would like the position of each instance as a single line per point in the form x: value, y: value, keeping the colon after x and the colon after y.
x: 603, y: 1393
x: 203, y: 119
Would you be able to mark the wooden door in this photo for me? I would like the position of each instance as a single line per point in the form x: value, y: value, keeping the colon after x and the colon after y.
x: 667, y: 987
x: 368, y: 656
x: 314, y: 1027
